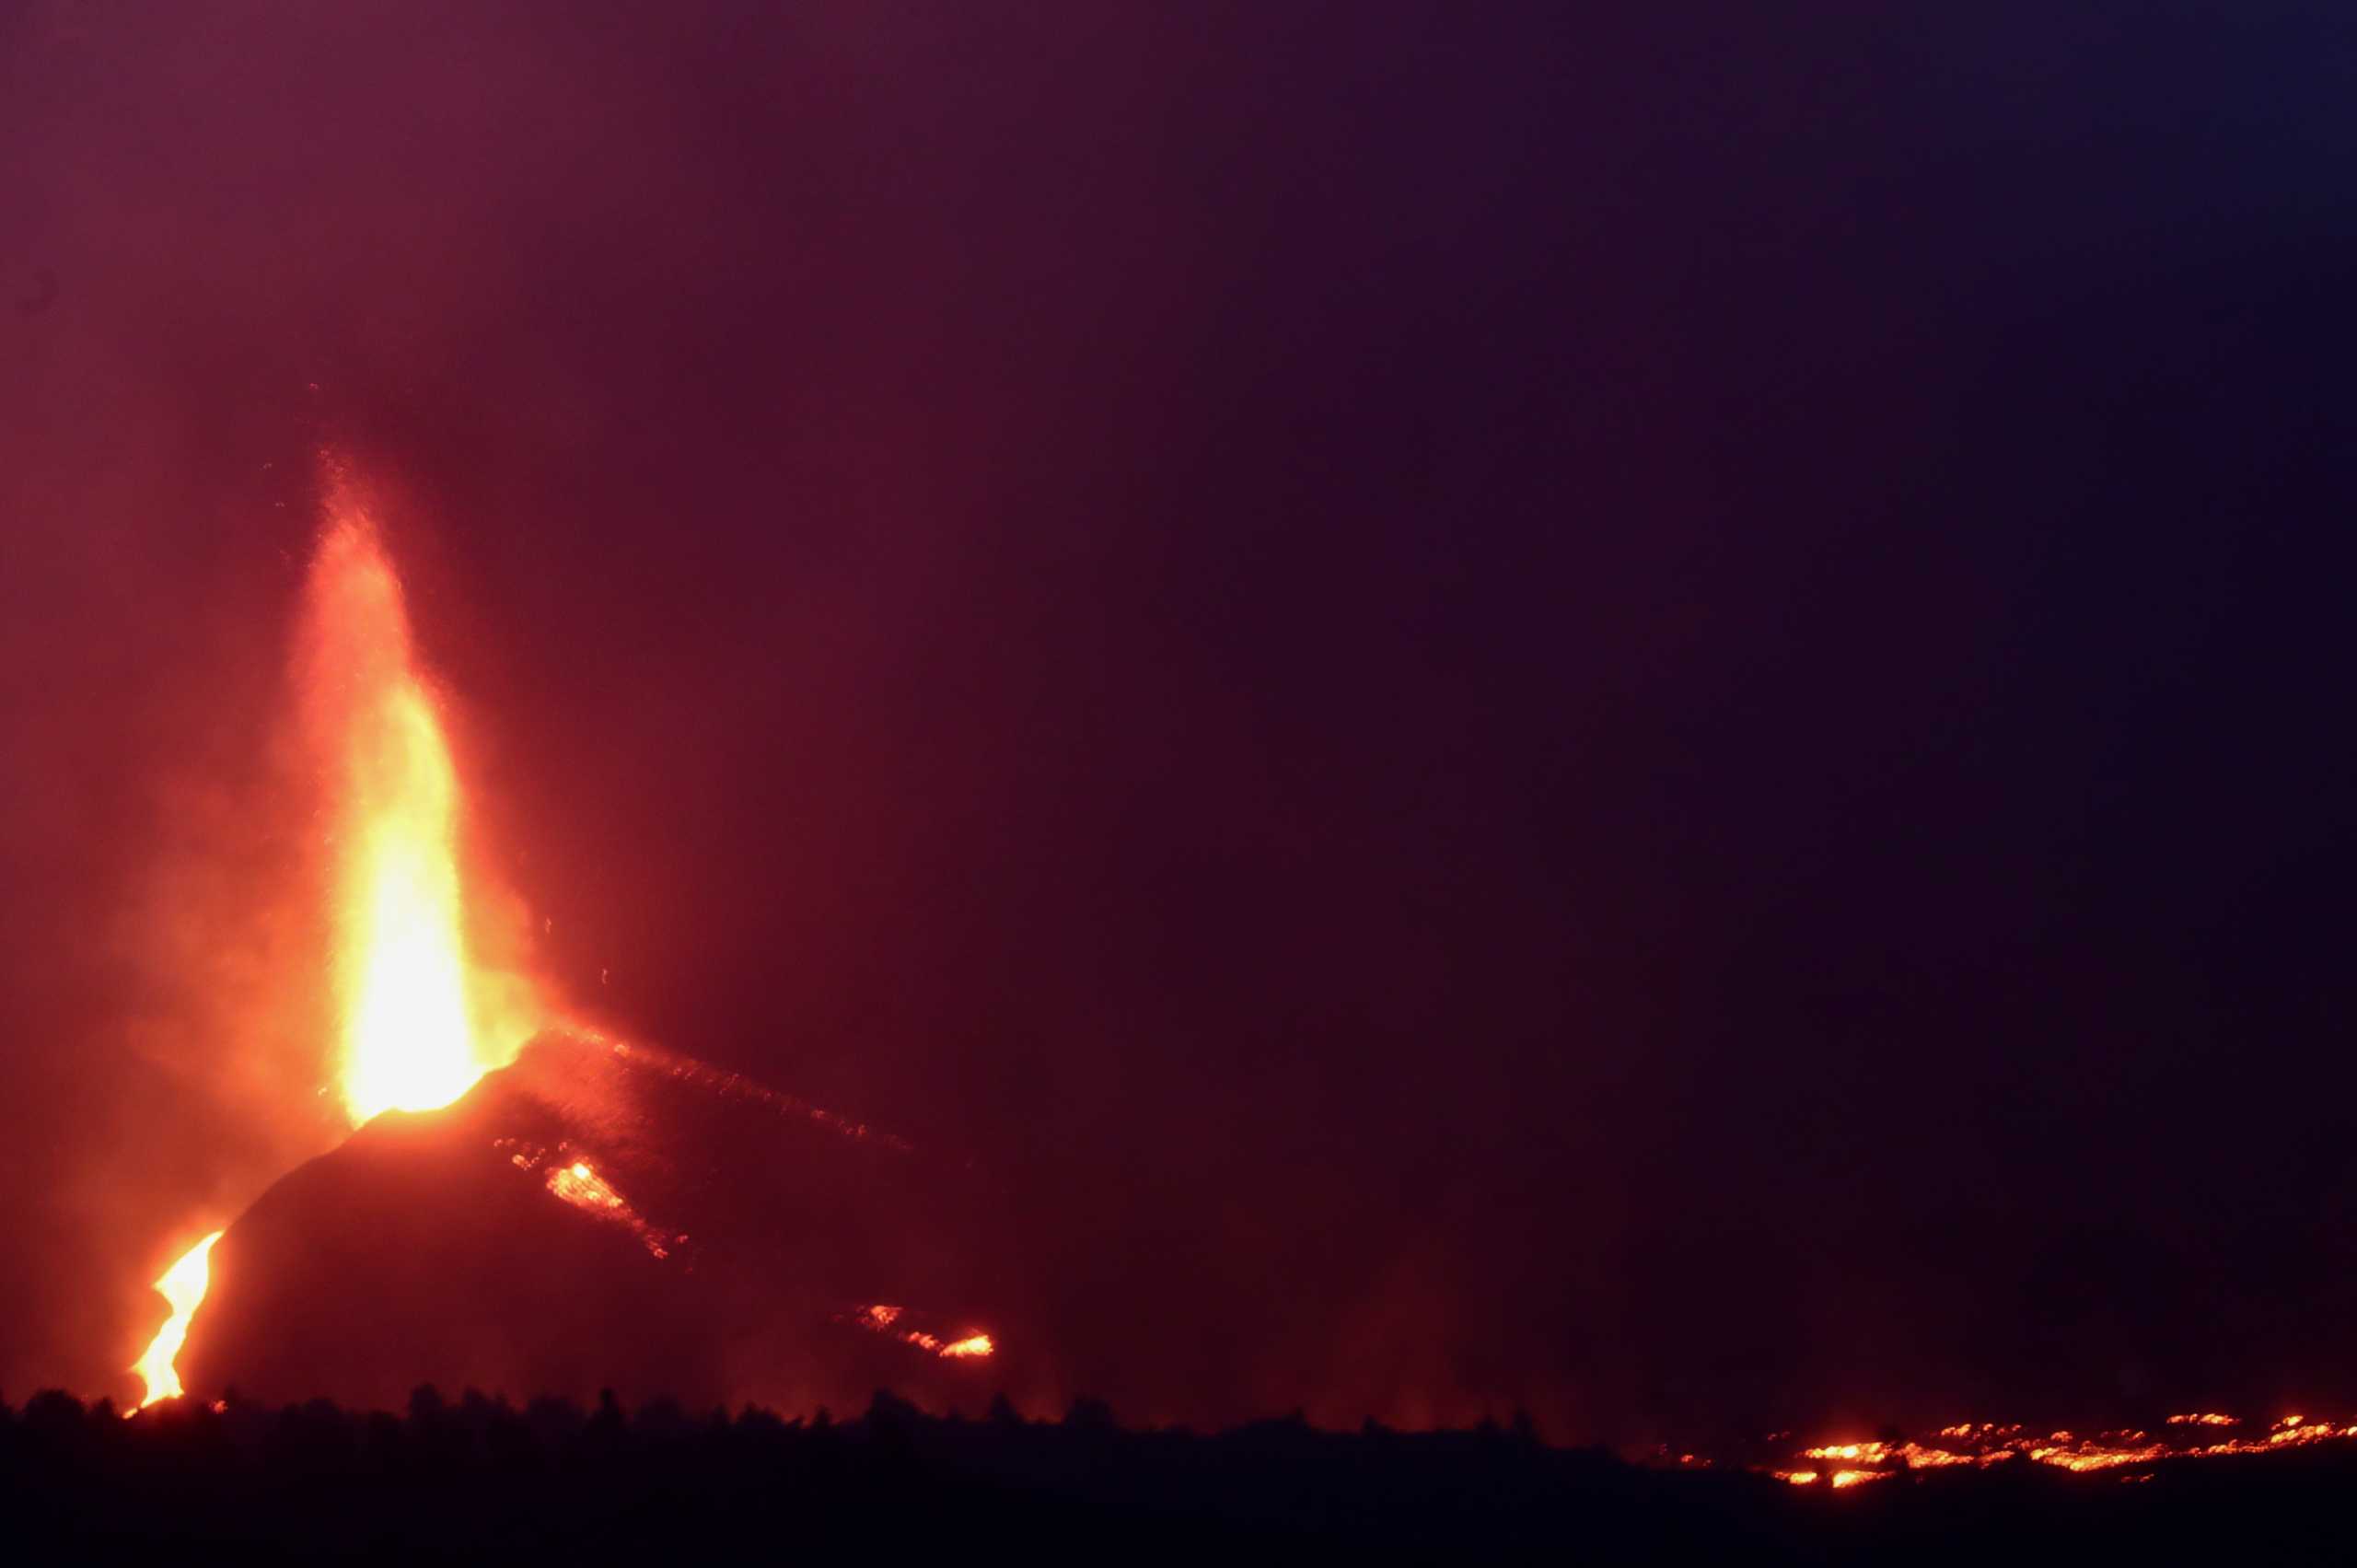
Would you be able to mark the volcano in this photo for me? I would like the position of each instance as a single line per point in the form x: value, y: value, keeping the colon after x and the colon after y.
x: 527, y: 1205
x: 600, y: 1215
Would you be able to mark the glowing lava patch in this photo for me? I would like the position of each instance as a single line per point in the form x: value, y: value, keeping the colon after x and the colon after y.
x: 578, y: 1184
x: 884, y: 1319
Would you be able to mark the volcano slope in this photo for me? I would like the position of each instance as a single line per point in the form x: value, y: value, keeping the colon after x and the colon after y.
x: 597, y: 1216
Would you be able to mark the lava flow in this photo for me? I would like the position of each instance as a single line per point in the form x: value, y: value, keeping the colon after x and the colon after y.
x: 576, y: 1184
x: 883, y: 1318
x: 418, y: 1024
x: 181, y: 1286
x: 2129, y: 1453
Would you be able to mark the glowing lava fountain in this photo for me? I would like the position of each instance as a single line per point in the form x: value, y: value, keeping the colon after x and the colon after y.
x: 418, y: 1023
x: 182, y: 1286
x: 418, y: 1026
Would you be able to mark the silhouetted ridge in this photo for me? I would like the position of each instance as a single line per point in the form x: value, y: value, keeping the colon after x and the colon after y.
x: 584, y: 1219
x: 558, y: 1482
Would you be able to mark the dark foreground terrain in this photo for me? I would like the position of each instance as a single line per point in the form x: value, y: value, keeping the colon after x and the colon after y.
x: 554, y: 1484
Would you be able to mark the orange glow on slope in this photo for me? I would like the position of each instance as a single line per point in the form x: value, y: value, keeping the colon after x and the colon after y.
x: 183, y: 1287
x: 418, y: 1027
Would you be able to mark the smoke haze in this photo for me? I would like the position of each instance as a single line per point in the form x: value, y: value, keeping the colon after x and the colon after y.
x: 1638, y: 716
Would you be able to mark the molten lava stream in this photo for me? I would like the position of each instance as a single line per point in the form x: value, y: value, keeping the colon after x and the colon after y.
x: 183, y: 1287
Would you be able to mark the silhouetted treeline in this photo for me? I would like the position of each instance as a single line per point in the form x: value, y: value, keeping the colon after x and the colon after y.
x: 552, y: 1483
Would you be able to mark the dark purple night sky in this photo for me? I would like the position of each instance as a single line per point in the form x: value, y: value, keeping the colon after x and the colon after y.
x: 1645, y: 716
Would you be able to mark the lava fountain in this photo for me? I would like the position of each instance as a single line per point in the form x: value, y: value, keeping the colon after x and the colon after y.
x: 418, y: 1023
x: 419, y: 1027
